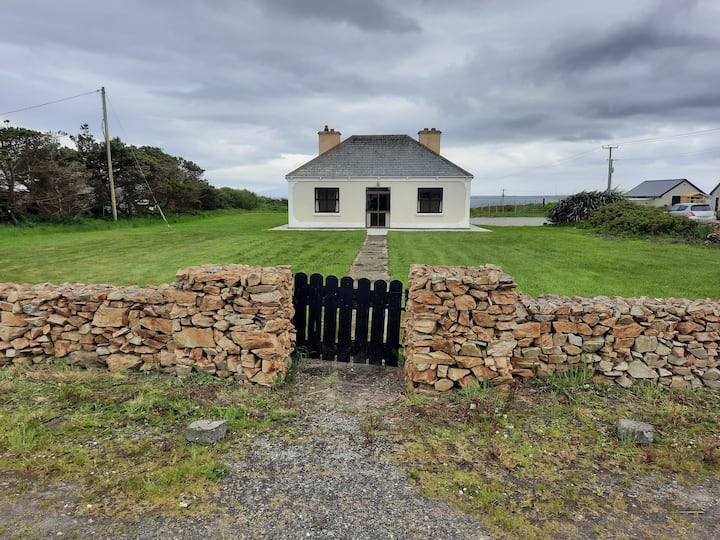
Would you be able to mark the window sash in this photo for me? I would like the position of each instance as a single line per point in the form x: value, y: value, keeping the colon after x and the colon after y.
x: 430, y: 200
x: 327, y: 200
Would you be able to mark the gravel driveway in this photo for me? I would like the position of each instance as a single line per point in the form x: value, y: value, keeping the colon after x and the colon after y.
x: 326, y: 476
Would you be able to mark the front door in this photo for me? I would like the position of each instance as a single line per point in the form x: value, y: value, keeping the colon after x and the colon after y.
x: 378, y: 207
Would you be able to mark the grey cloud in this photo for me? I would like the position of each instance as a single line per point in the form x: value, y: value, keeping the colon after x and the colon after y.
x: 499, y: 73
x: 368, y: 15
x: 666, y: 27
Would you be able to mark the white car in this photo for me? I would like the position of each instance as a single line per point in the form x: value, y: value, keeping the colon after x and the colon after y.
x: 696, y: 211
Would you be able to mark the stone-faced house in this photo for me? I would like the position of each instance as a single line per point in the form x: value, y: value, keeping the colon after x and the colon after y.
x: 665, y: 192
x: 384, y: 181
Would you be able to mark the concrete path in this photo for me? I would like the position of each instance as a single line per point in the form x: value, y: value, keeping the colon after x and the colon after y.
x: 509, y: 221
x: 371, y: 261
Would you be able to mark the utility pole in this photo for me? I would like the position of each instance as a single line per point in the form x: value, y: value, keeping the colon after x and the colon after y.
x: 610, y: 164
x: 109, y: 157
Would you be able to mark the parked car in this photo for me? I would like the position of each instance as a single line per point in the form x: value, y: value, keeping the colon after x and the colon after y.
x: 701, y: 212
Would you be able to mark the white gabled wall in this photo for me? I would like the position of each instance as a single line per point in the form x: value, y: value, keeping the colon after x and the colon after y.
x: 403, y: 203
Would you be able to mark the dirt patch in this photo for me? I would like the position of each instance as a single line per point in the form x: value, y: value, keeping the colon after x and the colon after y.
x: 353, y: 387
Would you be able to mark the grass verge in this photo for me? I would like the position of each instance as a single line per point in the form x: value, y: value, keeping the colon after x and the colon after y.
x: 120, y: 437
x: 544, y: 461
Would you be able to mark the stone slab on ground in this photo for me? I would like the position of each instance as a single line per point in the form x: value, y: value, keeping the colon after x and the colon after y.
x: 206, y: 431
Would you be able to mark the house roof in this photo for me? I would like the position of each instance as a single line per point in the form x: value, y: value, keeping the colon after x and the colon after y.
x: 715, y: 190
x: 379, y: 155
x: 657, y: 188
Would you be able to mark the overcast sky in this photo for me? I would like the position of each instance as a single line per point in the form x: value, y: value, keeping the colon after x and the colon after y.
x: 525, y: 92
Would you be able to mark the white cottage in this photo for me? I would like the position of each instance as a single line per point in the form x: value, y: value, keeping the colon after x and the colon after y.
x: 384, y: 181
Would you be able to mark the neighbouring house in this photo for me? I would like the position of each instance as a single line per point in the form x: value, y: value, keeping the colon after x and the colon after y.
x: 666, y: 192
x: 383, y: 181
x: 715, y: 198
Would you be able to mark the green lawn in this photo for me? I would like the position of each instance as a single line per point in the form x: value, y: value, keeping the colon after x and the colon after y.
x: 559, y: 260
x: 148, y: 252
x: 564, y: 260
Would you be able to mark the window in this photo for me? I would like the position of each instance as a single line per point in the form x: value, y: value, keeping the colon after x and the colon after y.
x: 430, y: 200
x: 327, y: 200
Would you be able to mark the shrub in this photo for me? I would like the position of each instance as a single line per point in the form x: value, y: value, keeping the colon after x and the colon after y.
x: 576, y: 208
x: 237, y: 198
x: 624, y: 218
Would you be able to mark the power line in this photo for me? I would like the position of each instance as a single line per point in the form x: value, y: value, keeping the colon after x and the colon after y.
x: 137, y: 163
x: 49, y: 103
x: 546, y: 165
x: 666, y: 156
x: 633, y: 141
x: 676, y: 135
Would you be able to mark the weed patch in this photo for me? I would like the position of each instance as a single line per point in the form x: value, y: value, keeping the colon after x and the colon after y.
x: 544, y: 460
x: 120, y: 436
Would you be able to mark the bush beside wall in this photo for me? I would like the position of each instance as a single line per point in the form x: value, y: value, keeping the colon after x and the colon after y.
x: 467, y: 325
x: 231, y: 321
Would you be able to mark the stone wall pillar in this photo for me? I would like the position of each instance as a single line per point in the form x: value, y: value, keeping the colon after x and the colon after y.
x: 458, y: 325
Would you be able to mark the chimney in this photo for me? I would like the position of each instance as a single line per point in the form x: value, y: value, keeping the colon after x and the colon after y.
x: 327, y: 139
x: 430, y: 138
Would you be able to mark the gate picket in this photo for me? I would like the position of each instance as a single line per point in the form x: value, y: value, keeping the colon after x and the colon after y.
x: 362, y: 318
x: 300, y: 297
x: 345, y: 318
x: 340, y: 321
x: 329, y: 347
x: 315, y: 302
x: 394, y: 318
x: 377, y: 328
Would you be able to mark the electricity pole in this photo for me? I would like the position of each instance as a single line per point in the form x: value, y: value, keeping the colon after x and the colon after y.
x: 109, y: 157
x: 610, y: 165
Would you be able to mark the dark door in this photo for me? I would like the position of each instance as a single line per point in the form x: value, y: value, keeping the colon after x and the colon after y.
x: 378, y: 207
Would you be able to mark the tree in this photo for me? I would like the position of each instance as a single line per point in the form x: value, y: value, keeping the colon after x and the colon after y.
x: 144, y: 176
x: 39, y: 176
x: 23, y: 154
x: 237, y: 198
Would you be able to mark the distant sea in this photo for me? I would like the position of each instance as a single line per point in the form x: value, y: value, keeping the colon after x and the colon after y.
x: 497, y: 200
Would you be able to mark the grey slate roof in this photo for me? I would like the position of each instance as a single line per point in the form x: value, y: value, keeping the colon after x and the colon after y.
x: 379, y: 155
x: 657, y: 188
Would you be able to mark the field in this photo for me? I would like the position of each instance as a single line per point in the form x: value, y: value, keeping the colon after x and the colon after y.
x: 569, y: 261
x: 559, y: 260
x: 146, y: 252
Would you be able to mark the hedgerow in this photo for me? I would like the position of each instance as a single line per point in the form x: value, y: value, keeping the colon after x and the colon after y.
x: 624, y: 218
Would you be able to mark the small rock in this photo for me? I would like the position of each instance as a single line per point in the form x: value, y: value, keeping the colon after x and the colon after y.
x: 632, y: 430
x: 206, y: 431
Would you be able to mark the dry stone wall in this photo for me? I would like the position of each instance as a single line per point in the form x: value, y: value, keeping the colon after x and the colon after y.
x: 470, y: 324
x: 231, y: 321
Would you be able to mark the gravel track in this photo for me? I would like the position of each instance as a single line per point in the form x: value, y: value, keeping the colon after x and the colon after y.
x: 327, y: 476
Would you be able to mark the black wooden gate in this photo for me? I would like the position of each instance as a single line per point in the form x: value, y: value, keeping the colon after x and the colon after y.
x: 348, y: 323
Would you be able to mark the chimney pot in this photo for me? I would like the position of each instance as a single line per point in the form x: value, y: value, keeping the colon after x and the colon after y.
x: 430, y: 138
x: 327, y: 139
